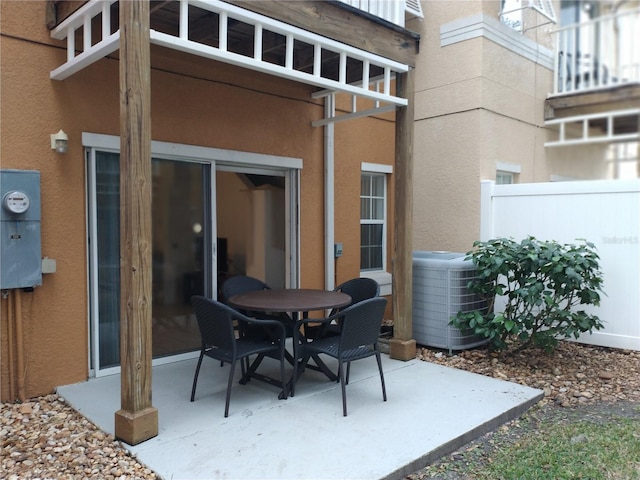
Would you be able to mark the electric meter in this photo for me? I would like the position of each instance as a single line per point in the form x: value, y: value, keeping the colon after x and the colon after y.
x: 16, y: 202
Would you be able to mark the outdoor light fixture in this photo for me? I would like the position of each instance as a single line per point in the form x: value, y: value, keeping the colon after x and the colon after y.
x: 59, y: 142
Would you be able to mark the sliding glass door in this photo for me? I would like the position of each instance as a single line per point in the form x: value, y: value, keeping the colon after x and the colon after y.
x: 215, y: 213
x: 182, y: 254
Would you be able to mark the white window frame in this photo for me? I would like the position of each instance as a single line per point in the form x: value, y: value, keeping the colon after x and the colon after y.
x: 507, y: 171
x: 382, y: 276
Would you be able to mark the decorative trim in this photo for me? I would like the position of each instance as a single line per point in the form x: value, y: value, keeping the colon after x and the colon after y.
x: 384, y: 279
x: 484, y: 26
x: 194, y: 152
x: 376, y: 168
x: 508, y: 167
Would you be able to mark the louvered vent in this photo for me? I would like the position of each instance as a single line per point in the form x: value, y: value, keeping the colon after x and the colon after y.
x: 414, y: 8
x: 545, y: 7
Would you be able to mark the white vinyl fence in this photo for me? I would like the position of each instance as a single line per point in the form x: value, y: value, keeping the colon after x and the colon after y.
x: 605, y: 213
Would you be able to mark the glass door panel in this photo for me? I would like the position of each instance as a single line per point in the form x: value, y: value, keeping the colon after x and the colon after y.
x: 107, y: 194
x: 180, y: 266
x: 182, y: 259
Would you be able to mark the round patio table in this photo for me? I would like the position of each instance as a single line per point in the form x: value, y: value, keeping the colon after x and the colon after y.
x: 294, y: 300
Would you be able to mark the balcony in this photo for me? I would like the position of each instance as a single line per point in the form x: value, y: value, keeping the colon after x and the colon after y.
x: 391, y: 11
x: 600, y: 54
x: 230, y: 32
x: 597, y: 81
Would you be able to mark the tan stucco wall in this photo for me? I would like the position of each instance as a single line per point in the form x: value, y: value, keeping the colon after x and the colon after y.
x: 478, y: 104
x: 194, y: 101
x: 55, y: 326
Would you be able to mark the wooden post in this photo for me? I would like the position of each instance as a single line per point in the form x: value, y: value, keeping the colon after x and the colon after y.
x: 402, y: 346
x: 137, y: 419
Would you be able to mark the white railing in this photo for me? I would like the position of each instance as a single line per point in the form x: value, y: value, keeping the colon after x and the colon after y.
x: 377, y: 71
x: 390, y: 10
x: 601, y: 53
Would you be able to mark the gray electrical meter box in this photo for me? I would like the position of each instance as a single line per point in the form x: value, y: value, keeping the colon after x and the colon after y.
x: 20, y: 247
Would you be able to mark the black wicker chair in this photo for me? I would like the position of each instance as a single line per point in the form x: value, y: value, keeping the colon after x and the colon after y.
x: 357, y: 339
x: 215, y: 321
x: 358, y: 289
x: 239, y: 284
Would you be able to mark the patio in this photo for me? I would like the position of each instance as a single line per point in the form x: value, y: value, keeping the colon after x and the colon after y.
x: 431, y: 411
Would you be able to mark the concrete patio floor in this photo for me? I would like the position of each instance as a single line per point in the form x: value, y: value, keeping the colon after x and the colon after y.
x: 431, y: 411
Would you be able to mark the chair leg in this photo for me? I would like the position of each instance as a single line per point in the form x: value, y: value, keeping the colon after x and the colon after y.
x: 195, y: 377
x: 344, y: 390
x: 292, y: 391
x: 384, y: 390
x: 283, y: 378
x: 229, y: 384
x: 348, y: 371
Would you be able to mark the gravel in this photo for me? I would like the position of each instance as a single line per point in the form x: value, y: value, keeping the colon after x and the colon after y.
x: 573, y: 374
x: 45, y: 438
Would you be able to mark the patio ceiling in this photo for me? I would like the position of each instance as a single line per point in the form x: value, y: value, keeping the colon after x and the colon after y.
x: 224, y: 32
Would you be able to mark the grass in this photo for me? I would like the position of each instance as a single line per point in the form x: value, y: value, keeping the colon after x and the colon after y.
x: 584, y: 450
x: 592, y: 447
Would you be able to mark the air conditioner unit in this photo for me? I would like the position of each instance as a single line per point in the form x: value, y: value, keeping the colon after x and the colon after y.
x: 439, y: 292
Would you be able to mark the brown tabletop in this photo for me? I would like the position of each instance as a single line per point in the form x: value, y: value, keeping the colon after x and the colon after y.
x: 290, y: 300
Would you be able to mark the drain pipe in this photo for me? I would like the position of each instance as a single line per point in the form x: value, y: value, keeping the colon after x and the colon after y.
x: 7, y: 294
x: 19, y: 344
x: 329, y: 184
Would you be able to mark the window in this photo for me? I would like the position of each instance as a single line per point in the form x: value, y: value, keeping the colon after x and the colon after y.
x: 373, y: 221
x: 506, y: 173
x: 504, y: 178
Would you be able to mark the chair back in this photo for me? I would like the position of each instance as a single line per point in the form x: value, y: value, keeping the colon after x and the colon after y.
x: 361, y: 323
x: 215, y: 321
x: 241, y: 284
x: 358, y: 289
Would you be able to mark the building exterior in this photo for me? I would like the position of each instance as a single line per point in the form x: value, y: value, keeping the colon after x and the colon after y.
x: 519, y: 91
x: 267, y: 122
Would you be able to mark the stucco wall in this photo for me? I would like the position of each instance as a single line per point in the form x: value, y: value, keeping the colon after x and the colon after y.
x: 193, y: 101
x: 479, y: 104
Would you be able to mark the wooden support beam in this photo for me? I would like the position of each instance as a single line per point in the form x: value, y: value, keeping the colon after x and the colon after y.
x: 402, y: 346
x: 137, y: 419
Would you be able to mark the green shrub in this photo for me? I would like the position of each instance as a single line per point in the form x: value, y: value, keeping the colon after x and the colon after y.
x: 544, y: 284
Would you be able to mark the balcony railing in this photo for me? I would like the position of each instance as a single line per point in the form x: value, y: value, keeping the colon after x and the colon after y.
x: 598, y: 54
x: 390, y: 10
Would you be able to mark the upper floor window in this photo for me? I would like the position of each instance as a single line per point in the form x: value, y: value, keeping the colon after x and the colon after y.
x: 373, y: 221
